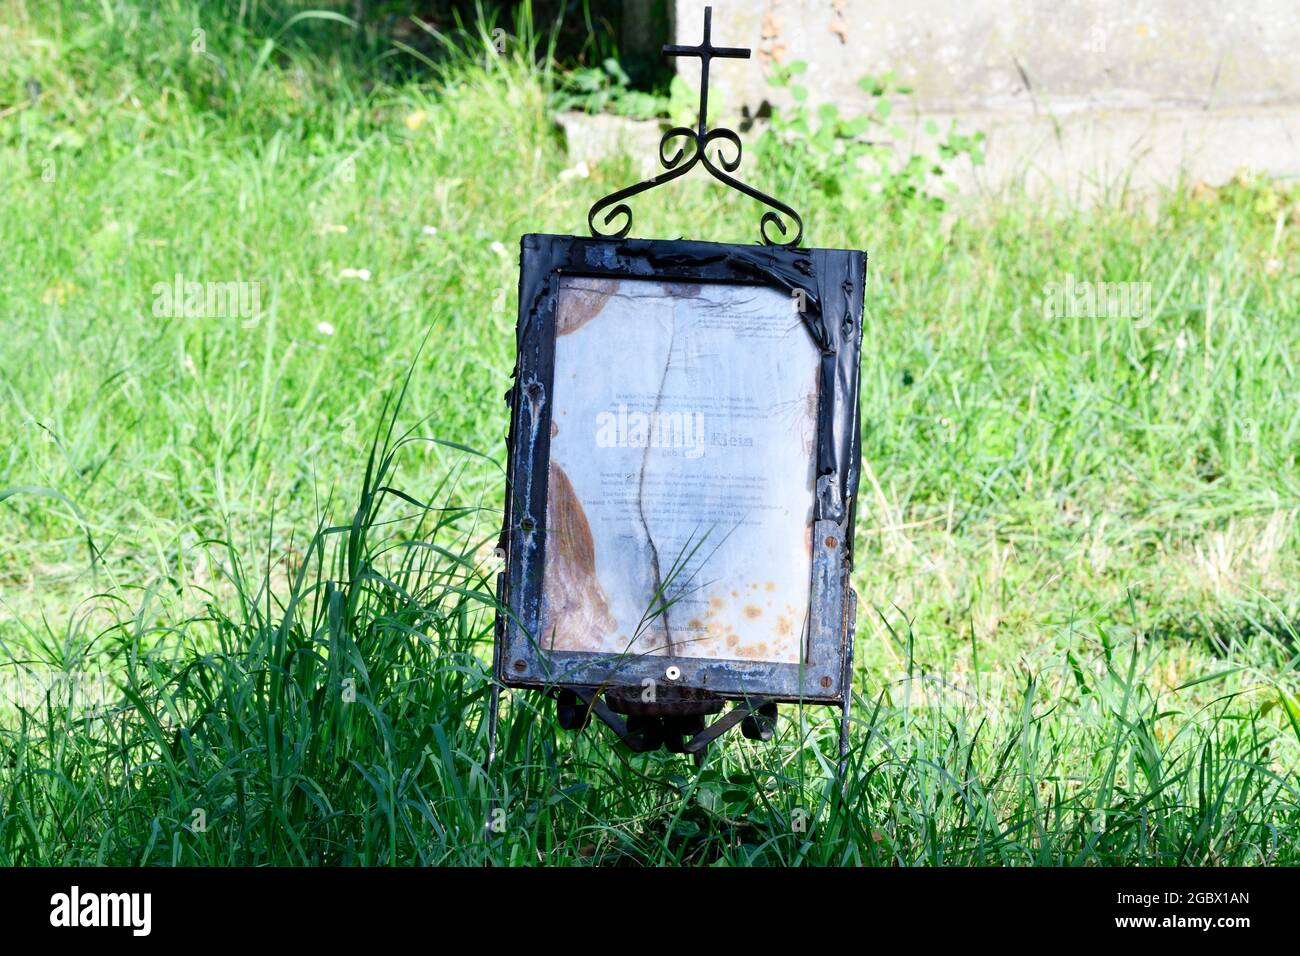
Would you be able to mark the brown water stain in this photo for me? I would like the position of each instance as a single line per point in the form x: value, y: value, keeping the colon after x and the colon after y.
x: 576, y: 613
x: 580, y: 301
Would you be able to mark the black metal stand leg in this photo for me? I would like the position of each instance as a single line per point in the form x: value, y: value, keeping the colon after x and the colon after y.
x: 494, y: 691
x: 493, y: 714
x: 743, y: 709
x: 680, y: 732
x: 493, y: 718
x: 590, y: 698
x: 847, y: 684
x: 844, y: 739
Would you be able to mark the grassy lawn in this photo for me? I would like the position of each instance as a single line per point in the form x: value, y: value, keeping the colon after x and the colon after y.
x: 1077, y: 551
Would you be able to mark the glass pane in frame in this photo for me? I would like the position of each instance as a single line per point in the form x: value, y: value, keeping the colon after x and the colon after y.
x: 681, y: 481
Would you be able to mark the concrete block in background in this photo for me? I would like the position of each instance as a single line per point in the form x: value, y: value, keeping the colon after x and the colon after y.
x: 1075, y: 98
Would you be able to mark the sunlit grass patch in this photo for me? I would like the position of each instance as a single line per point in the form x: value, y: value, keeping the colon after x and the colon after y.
x: 1076, y: 532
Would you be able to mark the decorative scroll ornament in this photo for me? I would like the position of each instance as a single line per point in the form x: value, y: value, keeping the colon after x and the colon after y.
x: 697, y: 141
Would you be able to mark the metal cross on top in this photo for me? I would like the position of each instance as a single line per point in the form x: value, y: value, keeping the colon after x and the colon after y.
x: 706, y: 51
x: 700, y: 138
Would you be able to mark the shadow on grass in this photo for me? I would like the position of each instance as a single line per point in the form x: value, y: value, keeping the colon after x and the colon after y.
x: 1230, y: 631
x: 337, y: 717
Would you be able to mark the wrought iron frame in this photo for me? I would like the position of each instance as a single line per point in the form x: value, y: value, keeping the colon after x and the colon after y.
x: 829, y: 283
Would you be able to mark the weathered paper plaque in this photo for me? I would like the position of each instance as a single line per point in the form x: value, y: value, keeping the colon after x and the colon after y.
x: 681, y: 479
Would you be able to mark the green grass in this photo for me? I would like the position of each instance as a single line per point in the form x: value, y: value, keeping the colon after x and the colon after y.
x: 1077, y: 543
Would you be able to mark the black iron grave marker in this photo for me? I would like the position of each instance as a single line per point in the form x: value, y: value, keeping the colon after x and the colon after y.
x: 683, y: 469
